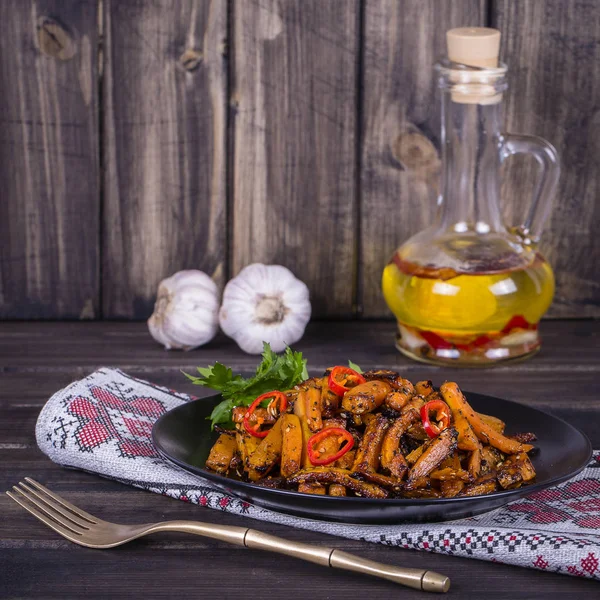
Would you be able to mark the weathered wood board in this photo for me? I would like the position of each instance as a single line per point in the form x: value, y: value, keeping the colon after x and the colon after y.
x: 141, y: 138
x: 294, y: 101
x: 49, y: 166
x: 553, y: 51
x: 164, y: 101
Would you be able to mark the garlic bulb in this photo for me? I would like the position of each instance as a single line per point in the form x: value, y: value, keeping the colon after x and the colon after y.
x: 186, y: 311
x: 264, y: 303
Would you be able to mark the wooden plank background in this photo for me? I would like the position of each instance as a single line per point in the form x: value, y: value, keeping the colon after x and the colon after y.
x: 554, y: 50
x: 164, y: 95
x: 140, y: 138
x: 294, y: 98
x: 49, y: 160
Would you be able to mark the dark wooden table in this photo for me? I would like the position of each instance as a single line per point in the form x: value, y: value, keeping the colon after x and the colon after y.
x: 38, y: 359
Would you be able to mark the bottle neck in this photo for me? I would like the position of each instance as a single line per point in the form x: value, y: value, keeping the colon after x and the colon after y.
x: 471, y: 140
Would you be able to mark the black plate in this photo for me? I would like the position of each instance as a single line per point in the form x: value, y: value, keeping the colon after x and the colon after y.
x: 183, y: 436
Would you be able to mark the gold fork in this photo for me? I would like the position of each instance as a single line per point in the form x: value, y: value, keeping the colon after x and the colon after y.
x: 86, y: 530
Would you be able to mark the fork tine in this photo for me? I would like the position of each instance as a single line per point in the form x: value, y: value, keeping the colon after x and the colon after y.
x: 55, y: 506
x: 80, y: 513
x: 50, y: 512
x: 64, y: 531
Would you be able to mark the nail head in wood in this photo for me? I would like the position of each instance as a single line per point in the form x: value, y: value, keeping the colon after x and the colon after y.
x: 54, y: 40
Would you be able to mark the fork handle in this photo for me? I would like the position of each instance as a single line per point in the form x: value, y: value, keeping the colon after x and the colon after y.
x: 419, y: 579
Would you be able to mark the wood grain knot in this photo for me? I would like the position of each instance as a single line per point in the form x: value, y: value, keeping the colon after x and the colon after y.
x: 190, y: 60
x: 54, y: 39
x: 415, y: 152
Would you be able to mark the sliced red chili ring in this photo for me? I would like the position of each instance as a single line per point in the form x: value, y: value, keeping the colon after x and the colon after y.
x: 340, y: 377
x: 313, y: 452
x: 254, y: 429
x: 442, y: 417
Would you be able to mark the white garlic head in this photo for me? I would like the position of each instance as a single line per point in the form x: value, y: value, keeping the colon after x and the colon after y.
x: 265, y: 303
x: 186, y: 313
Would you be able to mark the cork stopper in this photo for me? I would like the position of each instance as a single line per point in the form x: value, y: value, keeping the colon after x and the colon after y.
x: 474, y: 46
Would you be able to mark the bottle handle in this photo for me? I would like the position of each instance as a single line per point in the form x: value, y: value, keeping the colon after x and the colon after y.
x: 543, y: 194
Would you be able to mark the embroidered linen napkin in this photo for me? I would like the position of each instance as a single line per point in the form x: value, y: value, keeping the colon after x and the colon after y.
x: 103, y: 424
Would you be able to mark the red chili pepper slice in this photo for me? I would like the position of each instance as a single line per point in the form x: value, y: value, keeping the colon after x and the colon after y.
x: 437, y: 342
x: 313, y: 452
x: 255, y: 429
x: 340, y: 377
x: 520, y: 322
x: 442, y: 417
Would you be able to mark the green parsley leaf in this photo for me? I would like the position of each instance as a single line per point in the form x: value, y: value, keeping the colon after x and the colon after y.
x: 355, y: 367
x: 275, y: 372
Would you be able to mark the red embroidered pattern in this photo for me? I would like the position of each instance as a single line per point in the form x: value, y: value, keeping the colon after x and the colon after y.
x: 127, y: 419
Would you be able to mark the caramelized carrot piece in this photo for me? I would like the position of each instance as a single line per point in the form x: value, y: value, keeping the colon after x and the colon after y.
x: 300, y: 412
x: 291, y: 451
x: 474, y: 463
x: 221, y: 453
x: 329, y: 401
x: 366, y: 397
x: 367, y: 455
x: 400, y: 395
x: 267, y: 455
x: 435, y: 452
x: 494, y: 422
x: 392, y: 458
x: 313, y: 409
x: 424, y: 388
x: 457, y: 402
x: 335, y: 489
x: 312, y: 488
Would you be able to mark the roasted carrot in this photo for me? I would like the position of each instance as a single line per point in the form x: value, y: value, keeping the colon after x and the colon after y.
x: 402, y: 393
x: 413, y: 457
x: 259, y: 413
x: 329, y: 401
x: 435, y: 452
x: 485, y: 484
x: 474, y: 463
x: 291, y: 450
x: 221, y: 453
x: 246, y: 445
x: 312, y: 488
x: 451, y: 487
x: 367, y: 455
x: 516, y: 470
x: 366, y: 397
x: 335, y: 489
x: 267, y: 455
x: 392, y: 458
x: 300, y: 412
x: 457, y: 402
x: 424, y: 388
x: 330, y: 475
x: 467, y: 440
x: 346, y: 461
x: 494, y: 422
x: 313, y: 409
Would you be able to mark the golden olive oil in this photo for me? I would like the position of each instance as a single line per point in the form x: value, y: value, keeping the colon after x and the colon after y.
x: 479, y: 317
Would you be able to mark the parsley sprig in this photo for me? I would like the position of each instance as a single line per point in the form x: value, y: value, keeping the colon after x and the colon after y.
x: 275, y: 372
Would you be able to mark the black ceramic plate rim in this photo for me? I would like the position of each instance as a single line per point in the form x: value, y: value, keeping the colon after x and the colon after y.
x: 525, y: 490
